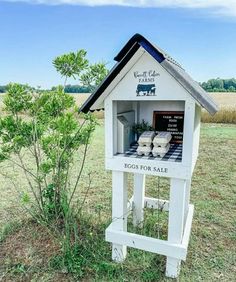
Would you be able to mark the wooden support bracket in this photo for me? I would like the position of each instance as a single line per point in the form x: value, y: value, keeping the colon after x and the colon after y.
x: 162, y: 247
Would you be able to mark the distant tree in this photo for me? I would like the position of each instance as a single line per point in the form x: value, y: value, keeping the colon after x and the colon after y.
x: 206, y: 86
x: 216, y: 84
x: 232, y: 89
x: 77, y: 89
x: 230, y: 84
x: 219, y: 85
x: 3, y: 89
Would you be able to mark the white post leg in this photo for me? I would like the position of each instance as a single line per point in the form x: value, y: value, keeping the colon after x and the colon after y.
x: 138, y: 200
x: 187, y: 199
x: 119, y: 211
x: 176, y: 222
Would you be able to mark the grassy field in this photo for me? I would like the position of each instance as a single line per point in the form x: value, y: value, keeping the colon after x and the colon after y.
x: 29, y: 253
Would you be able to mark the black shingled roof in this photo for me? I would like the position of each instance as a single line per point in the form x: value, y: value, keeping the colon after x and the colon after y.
x: 168, y: 63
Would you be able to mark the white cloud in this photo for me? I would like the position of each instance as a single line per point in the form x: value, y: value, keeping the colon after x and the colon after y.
x: 221, y: 7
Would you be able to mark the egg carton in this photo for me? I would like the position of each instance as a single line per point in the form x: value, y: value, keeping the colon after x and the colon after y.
x: 160, y: 151
x: 144, y: 150
x: 146, y: 138
x: 162, y: 139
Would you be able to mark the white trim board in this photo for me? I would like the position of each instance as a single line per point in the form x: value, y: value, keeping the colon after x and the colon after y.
x: 162, y: 247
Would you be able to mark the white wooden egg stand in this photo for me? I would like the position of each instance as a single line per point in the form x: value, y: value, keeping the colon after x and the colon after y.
x: 180, y: 211
x: 143, y: 69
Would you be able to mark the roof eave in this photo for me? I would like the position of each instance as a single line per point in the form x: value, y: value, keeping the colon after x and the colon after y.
x: 108, y: 79
x: 174, y: 70
x: 194, y: 89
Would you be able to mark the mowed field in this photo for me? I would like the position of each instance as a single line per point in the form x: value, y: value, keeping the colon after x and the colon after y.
x: 28, y: 252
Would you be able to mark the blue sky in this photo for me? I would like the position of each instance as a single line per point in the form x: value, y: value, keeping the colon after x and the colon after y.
x: 201, y: 37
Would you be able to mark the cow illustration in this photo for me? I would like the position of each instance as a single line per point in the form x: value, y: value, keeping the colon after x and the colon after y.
x: 146, y: 89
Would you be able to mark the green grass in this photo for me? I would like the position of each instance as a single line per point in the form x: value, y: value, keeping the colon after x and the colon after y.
x: 29, y: 254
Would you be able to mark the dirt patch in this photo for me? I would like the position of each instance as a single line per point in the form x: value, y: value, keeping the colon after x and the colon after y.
x: 31, y: 246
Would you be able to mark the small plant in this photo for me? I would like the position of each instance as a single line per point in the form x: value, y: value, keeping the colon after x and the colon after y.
x: 139, y: 128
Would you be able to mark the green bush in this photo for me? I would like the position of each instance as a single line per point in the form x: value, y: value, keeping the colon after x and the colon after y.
x: 46, y: 126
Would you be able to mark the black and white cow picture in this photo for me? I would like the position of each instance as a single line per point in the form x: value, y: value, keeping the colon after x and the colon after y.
x: 146, y: 90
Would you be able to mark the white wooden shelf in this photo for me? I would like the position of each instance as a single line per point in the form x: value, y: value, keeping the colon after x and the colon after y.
x: 173, y: 155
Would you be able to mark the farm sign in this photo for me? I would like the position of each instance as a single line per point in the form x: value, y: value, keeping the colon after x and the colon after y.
x: 171, y: 121
x: 146, y: 82
x: 146, y: 168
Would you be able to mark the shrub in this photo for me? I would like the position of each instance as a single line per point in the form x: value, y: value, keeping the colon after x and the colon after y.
x: 45, y: 125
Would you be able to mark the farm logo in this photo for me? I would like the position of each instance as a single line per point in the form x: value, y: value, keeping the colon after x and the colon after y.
x: 146, y: 90
x: 146, y: 82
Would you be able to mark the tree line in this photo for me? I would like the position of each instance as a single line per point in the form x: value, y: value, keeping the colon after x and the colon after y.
x: 68, y: 89
x: 219, y: 85
x: 3, y: 88
x: 76, y: 89
x: 212, y: 85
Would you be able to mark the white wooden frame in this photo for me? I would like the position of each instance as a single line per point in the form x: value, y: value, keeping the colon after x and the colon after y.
x: 138, y: 199
x: 119, y: 212
x: 162, y: 247
x: 176, y: 223
x: 179, y: 227
x: 178, y: 207
x: 189, y: 119
x: 169, y: 169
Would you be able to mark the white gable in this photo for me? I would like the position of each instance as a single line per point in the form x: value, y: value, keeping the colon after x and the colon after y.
x: 99, y: 103
x: 145, y: 70
x: 148, y: 80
